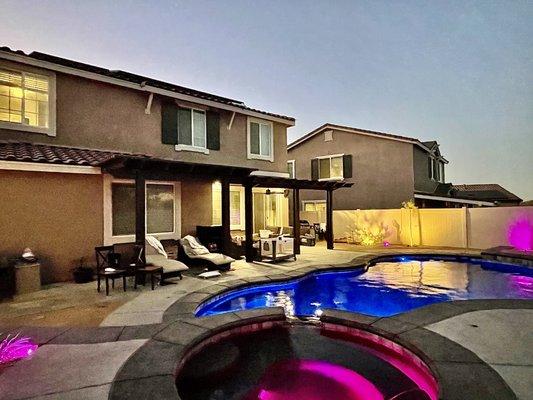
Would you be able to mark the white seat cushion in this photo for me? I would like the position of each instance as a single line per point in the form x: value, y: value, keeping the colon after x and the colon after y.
x: 215, y: 258
x: 168, y: 265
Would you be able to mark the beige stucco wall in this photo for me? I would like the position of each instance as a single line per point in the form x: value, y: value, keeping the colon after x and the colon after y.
x: 382, y: 170
x: 96, y: 115
x: 59, y: 216
x: 196, y: 205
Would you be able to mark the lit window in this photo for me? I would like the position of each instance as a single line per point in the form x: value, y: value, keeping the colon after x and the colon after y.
x: 159, y: 208
x: 260, y: 140
x: 24, y: 99
x: 236, y: 206
x: 330, y: 167
x: 312, y: 205
x: 291, y: 169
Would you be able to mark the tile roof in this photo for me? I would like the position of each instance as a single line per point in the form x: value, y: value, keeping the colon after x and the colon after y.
x: 44, y: 153
x: 140, y: 80
x: 485, y: 191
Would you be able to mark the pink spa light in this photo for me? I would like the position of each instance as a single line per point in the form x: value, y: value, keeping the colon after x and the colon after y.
x: 520, y: 234
x: 312, y: 380
x: 14, y: 348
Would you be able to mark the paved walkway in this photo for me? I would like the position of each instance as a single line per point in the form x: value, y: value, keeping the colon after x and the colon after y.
x: 80, y: 362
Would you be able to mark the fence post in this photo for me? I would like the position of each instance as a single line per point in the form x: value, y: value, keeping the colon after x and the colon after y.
x: 464, y: 219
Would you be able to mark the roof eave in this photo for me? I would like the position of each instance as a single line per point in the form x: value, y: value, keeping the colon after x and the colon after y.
x: 26, y: 59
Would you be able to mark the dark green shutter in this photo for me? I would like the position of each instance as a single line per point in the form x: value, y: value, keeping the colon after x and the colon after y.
x: 184, y: 126
x: 169, y: 123
x: 429, y: 168
x: 213, y: 130
x: 347, y: 166
x: 314, y: 169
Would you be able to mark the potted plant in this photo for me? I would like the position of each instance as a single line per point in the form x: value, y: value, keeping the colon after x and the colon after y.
x: 83, y: 273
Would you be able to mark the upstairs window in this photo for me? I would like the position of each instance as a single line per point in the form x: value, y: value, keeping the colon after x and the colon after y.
x: 192, y: 128
x: 260, y: 140
x: 330, y: 168
x: 291, y: 169
x: 25, y: 101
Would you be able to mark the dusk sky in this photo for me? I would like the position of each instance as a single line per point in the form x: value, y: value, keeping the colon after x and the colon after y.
x: 458, y: 72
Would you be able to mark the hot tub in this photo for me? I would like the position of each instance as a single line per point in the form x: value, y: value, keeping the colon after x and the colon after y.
x: 282, y: 361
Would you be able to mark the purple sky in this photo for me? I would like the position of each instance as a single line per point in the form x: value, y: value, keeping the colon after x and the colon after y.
x: 458, y: 72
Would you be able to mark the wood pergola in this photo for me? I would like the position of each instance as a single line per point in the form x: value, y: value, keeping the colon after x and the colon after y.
x: 142, y: 168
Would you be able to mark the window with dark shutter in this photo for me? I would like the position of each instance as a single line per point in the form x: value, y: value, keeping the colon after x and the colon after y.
x: 347, y: 169
x: 184, y: 127
x: 169, y: 123
x: 314, y: 169
x: 213, y: 130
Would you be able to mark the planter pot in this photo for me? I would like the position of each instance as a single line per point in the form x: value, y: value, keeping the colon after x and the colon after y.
x: 83, y: 275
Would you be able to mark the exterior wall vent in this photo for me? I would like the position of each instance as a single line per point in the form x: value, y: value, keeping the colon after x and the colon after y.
x: 328, y: 136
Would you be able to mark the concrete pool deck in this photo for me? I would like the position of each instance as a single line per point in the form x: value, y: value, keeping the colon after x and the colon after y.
x: 141, y: 338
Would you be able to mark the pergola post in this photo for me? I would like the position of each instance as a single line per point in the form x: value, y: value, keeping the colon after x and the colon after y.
x: 296, y: 219
x: 329, y: 219
x: 226, y: 222
x: 249, y: 222
x: 140, y: 212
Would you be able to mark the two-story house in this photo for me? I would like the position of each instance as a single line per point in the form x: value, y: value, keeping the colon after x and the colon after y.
x: 386, y: 169
x: 85, y: 151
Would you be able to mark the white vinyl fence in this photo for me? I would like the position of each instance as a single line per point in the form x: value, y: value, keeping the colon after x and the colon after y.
x: 478, y: 228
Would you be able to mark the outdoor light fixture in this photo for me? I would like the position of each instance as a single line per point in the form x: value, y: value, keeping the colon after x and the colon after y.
x: 14, y: 347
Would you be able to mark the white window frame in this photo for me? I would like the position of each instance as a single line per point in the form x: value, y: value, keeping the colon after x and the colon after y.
x: 432, y: 162
x: 51, y: 77
x: 331, y: 178
x: 441, y: 172
x: 193, y: 147
x: 252, y: 156
x: 240, y: 189
x: 292, y: 163
x: 315, y: 202
x: 109, y: 238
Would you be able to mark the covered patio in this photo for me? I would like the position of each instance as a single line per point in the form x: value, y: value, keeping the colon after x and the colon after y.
x: 142, y: 169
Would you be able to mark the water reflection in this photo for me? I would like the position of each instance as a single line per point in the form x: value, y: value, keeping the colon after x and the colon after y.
x: 385, y: 289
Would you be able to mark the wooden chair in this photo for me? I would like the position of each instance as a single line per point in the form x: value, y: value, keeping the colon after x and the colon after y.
x: 107, y: 258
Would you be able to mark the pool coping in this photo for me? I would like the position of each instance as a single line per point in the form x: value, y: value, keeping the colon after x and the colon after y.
x: 151, y: 371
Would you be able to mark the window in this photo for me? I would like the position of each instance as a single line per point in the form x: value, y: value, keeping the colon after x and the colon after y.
x: 436, y: 170
x: 192, y: 129
x: 160, y: 201
x: 330, y: 167
x: 260, y: 140
x: 314, y: 205
x: 291, y: 169
x: 236, y: 205
x: 26, y: 101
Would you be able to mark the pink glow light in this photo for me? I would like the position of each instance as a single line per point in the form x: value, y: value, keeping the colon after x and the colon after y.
x: 312, y: 380
x: 386, y: 243
x: 14, y: 348
x: 520, y: 234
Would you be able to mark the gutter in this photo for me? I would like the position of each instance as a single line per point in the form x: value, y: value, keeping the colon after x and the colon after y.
x: 142, y: 87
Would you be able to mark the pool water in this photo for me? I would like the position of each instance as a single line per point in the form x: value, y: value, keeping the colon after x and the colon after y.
x: 384, y: 289
x: 300, y: 362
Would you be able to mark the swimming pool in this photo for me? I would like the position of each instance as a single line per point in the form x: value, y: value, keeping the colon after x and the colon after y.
x: 384, y: 289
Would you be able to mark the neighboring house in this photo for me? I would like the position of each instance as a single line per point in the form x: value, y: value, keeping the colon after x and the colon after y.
x: 386, y: 169
x: 74, y: 139
x: 487, y: 192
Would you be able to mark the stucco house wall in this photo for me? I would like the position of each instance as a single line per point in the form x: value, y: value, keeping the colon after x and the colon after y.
x: 102, y: 116
x: 423, y: 182
x: 382, y: 169
x: 60, y: 229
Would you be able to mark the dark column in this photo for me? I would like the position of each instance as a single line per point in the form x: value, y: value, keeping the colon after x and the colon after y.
x: 329, y: 219
x: 226, y: 223
x: 296, y: 219
x: 140, y: 211
x: 249, y: 221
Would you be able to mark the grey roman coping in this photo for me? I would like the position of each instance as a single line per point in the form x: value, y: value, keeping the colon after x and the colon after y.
x: 151, y: 371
